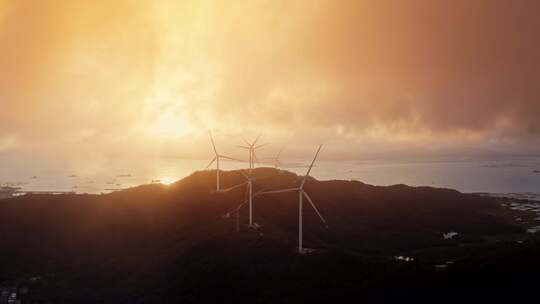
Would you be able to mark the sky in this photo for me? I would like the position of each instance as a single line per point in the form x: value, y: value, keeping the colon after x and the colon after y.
x: 81, y: 79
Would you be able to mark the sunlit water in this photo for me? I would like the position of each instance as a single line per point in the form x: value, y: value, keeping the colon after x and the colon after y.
x: 515, y: 175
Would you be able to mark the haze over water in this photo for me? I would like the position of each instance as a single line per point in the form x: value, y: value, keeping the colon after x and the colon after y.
x: 501, y: 175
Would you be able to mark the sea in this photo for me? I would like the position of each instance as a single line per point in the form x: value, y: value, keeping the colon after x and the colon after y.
x: 513, y: 176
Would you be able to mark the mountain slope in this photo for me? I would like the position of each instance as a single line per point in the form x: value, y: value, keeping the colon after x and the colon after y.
x: 157, y: 243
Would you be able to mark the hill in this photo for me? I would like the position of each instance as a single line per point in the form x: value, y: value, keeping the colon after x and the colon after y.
x: 169, y: 244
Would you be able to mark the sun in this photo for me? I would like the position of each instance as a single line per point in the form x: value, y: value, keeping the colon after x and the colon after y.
x: 167, y: 180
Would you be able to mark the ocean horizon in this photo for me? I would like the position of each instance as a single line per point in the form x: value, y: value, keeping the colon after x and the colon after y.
x: 511, y: 175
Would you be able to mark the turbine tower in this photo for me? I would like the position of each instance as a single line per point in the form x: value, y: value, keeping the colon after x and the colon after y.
x: 216, y: 159
x: 244, y: 202
x: 251, y: 147
x: 250, y: 196
x: 301, y: 195
x: 249, y: 192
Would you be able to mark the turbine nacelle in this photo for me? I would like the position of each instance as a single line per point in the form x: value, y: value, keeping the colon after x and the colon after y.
x: 251, y: 147
x: 216, y: 159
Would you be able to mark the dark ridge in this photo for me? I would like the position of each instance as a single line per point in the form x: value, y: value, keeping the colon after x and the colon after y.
x: 169, y: 244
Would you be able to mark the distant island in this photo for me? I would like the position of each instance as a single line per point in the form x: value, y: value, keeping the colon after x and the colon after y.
x: 178, y: 243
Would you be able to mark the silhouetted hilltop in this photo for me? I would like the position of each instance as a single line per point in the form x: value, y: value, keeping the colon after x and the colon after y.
x: 157, y: 243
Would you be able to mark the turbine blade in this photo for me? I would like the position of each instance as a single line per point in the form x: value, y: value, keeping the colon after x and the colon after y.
x: 247, y: 142
x: 230, y: 158
x: 237, y: 207
x: 311, y: 166
x: 279, y: 153
x: 315, y: 208
x: 280, y: 191
x: 233, y: 187
x: 211, y: 162
x: 262, y: 191
x: 243, y: 147
x: 242, y: 171
x: 256, y: 140
x: 213, y: 144
x: 241, y: 205
x: 259, y: 146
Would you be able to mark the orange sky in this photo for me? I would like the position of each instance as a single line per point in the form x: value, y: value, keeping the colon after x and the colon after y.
x: 150, y: 77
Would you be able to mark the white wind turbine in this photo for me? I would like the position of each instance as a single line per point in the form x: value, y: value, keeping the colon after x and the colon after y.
x: 249, y: 190
x: 251, y: 148
x: 216, y: 159
x: 275, y: 160
x: 301, y: 194
x: 237, y: 209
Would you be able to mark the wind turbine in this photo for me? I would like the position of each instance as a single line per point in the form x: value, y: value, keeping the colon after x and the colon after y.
x: 249, y: 192
x: 301, y: 195
x: 216, y: 159
x: 237, y: 209
x: 251, y: 147
x: 275, y: 160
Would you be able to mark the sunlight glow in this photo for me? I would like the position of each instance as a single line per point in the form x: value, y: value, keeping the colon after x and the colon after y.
x: 168, y: 125
x: 167, y: 180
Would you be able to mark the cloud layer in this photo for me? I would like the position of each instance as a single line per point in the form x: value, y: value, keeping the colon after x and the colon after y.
x: 101, y: 72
